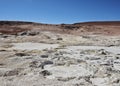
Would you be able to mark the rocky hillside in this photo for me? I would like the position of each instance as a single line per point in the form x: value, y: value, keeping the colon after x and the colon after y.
x: 104, y: 28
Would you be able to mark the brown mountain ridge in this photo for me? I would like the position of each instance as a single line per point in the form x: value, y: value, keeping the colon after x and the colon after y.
x: 98, y: 27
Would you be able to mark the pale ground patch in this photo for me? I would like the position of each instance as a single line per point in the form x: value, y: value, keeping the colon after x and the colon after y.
x: 33, y: 46
x: 114, y: 49
x: 67, y: 71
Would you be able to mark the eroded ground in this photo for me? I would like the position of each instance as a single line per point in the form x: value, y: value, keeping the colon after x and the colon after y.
x: 52, y: 59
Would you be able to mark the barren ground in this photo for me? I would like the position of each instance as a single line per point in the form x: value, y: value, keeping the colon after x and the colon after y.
x: 81, y: 54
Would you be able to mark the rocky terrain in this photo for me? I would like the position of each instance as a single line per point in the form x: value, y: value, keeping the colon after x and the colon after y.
x: 80, y: 54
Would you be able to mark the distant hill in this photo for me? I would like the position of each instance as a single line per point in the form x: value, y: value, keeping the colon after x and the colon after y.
x: 99, y: 23
x: 98, y: 27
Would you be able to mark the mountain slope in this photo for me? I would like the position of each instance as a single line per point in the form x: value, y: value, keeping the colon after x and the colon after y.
x: 100, y: 27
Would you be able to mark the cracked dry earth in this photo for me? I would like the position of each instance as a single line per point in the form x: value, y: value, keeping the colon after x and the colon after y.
x: 51, y: 59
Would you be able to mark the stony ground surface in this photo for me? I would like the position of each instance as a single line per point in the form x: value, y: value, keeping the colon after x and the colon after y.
x: 51, y: 59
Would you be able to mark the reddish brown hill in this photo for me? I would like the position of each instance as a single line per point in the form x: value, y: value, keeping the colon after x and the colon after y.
x: 104, y: 28
x: 14, y: 27
x: 99, y: 23
x: 100, y: 27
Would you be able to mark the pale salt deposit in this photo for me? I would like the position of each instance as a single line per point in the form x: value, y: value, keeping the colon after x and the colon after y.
x: 67, y: 71
x: 90, y: 63
x: 33, y: 46
x: 115, y: 49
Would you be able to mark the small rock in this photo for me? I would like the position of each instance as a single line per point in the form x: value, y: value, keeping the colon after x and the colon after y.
x: 5, y: 36
x: 2, y: 50
x: 33, y: 33
x: 59, y: 63
x: 44, y: 56
x: 45, y: 63
x: 65, y: 79
x: 22, y: 33
x: 110, y: 45
x: 21, y: 54
x: 13, y: 72
x: 103, y: 52
x: 117, y: 57
x: 34, y: 64
x: 2, y: 64
x: 59, y: 39
x: 45, y: 73
x: 116, y: 81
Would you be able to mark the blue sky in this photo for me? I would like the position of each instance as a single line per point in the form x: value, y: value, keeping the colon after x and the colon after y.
x: 60, y: 11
